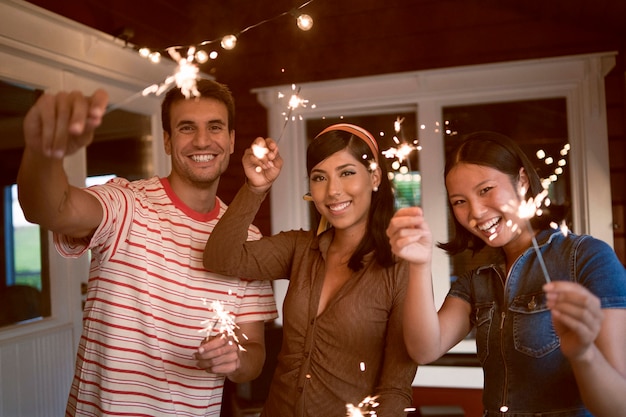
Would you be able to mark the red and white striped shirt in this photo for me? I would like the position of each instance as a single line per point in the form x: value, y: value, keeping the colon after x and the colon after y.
x: 144, y: 306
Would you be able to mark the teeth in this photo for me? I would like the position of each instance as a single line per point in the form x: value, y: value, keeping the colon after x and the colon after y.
x: 202, y: 158
x: 489, y: 225
x: 337, y: 207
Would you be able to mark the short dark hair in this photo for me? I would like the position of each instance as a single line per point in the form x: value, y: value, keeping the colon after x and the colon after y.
x: 207, y: 89
x: 497, y: 151
x: 381, y: 209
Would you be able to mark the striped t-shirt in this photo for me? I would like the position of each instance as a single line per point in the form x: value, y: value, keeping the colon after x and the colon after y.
x: 144, y: 305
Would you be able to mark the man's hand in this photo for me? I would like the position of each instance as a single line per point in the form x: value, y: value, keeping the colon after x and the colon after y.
x: 59, y: 125
x: 218, y: 355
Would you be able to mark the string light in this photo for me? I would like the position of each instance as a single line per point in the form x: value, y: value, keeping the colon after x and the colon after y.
x: 187, y: 70
x: 228, y: 42
x: 304, y: 22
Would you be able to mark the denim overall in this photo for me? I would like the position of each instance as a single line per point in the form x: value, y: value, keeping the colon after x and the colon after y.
x: 525, y: 373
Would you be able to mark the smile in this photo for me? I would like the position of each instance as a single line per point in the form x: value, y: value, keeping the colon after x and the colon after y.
x: 339, y: 206
x: 202, y: 158
x: 489, y: 226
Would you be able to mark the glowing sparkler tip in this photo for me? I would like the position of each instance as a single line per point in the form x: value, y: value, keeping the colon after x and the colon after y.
x: 222, y: 322
x: 364, y: 408
x: 259, y: 151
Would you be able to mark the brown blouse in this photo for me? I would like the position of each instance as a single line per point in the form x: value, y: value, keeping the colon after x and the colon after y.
x: 352, y: 350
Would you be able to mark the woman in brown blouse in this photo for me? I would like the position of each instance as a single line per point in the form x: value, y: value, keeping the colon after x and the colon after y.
x: 342, y: 330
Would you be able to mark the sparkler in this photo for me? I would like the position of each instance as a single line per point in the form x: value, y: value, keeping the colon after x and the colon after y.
x: 525, y: 211
x: 402, y: 151
x: 185, y: 78
x: 407, y: 184
x: 294, y: 102
x: 223, y: 322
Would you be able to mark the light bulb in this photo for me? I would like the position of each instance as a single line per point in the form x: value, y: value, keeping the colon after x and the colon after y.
x: 229, y: 42
x: 144, y: 52
x: 202, y: 57
x: 304, y: 22
x: 155, y: 57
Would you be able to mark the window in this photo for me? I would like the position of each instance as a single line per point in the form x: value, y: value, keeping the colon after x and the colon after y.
x: 24, y: 292
x: 24, y: 284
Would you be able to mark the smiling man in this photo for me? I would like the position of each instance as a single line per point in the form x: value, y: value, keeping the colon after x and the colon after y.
x: 141, y: 352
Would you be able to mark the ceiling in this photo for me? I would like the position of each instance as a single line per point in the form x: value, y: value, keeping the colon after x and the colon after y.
x: 345, y: 26
x: 349, y: 38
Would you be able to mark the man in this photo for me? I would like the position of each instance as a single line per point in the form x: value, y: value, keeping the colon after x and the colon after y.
x: 142, y: 351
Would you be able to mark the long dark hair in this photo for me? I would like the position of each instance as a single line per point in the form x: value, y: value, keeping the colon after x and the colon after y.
x: 497, y: 151
x: 381, y: 209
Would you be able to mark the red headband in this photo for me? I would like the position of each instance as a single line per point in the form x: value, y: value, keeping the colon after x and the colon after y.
x: 357, y: 131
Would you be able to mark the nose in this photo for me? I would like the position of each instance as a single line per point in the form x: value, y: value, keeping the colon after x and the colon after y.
x: 334, y: 186
x: 202, y: 138
x: 477, y: 210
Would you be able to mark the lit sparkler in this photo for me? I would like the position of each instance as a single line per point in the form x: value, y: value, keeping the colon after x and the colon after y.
x: 222, y: 322
x: 404, y: 149
x: 294, y: 102
x: 525, y: 211
x: 407, y: 184
x: 185, y: 77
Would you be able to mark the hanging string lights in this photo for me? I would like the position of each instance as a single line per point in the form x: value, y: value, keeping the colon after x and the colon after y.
x: 227, y: 42
x: 189, y: 57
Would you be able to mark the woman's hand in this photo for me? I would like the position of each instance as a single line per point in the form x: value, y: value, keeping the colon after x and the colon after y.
x: 409, y: 235
x: 262, y: 164
x: 576, y: 314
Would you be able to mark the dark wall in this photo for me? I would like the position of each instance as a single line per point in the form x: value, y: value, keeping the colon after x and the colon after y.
x: 353, y: 38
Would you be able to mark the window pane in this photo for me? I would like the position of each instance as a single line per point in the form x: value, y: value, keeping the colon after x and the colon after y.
x: 24, y: 292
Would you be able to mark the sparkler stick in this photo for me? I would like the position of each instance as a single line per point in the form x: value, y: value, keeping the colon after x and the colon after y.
x: 223, y: 322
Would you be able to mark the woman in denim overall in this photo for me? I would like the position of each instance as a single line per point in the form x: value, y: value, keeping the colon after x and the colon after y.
x: 550, y: 328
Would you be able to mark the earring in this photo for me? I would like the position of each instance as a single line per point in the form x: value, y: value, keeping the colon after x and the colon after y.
x: 375, y: 189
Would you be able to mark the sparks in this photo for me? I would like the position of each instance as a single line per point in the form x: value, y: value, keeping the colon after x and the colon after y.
x: 364, y: 408
x: 223, y: 322
x: 294, y: 102
x: 525, y: 211
x: 401, y: 152
x: 397, y: 125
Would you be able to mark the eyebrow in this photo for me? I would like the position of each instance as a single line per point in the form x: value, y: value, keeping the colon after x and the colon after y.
x: 478, y: 186
x: 339, y: 168
x: 193, y: 122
